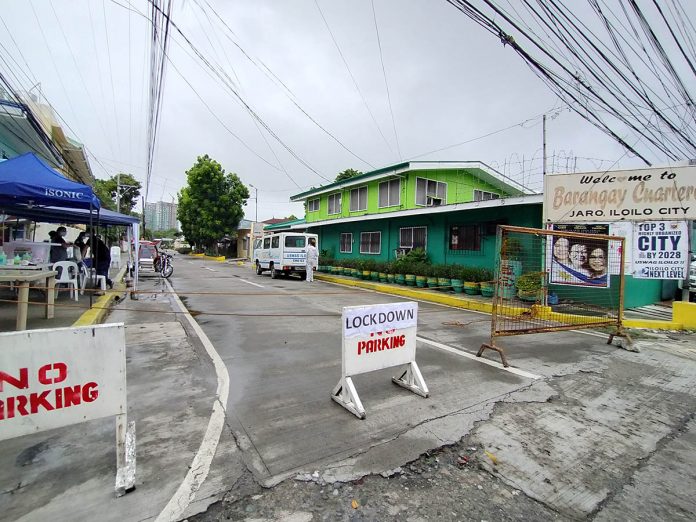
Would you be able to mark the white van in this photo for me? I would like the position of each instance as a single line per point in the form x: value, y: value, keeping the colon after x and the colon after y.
x: 282, y: 253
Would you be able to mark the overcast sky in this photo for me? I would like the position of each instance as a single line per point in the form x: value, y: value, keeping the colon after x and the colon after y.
x: 449, y: 82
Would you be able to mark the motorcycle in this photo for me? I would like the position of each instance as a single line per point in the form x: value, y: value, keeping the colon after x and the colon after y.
x: 163, y: 264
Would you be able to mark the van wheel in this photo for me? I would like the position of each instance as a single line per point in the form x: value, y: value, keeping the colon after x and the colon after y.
x: 259, y: 271
x: 274, y: 272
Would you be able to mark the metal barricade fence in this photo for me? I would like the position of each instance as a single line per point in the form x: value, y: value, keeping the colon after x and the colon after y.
x: 550, y: 281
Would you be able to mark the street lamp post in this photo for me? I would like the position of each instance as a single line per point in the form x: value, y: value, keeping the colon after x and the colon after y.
x: 256, y: 200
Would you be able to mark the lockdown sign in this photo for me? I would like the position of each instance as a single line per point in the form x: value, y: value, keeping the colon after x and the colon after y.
x: 60, y: 376
x: 660, y: 250
x: 378, y: 336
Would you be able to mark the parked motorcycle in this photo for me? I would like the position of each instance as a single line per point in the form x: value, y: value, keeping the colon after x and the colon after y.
x: 163, y: 264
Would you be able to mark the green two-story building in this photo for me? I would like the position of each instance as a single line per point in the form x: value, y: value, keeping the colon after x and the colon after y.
x: 451, y: 209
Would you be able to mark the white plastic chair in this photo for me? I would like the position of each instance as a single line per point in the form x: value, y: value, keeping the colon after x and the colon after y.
x: 115, y: 256
x: 84, y: 276
x: 68, y: 275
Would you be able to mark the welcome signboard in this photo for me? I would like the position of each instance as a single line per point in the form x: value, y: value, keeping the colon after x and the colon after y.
x: 377, y: 337
x: 632, y: 195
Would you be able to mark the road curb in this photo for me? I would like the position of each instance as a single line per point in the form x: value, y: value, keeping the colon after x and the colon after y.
x: 470, y: 304
x: 100, y: 308
x: 212, y: 258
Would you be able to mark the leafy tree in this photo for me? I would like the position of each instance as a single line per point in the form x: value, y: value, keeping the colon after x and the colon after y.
x: 347, y: 174
x: 211, y: 204
x: 102, y: 191
x: 105, y: 189
x: 291, y: 217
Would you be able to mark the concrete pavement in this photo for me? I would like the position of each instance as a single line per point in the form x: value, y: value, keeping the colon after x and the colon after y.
x: 586, y: 438
x: 68, y: 474
x: 281, y: 341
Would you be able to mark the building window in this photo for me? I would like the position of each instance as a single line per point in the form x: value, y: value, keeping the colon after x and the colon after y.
x: 370, y: 242
x: 465, y: 237
x: 389, y: 193
x: 313, y: 205
x: 335, y: 203
x: 430, y: 193
x: 347, y: 243
x: 275, y: 242
x: 413, y: 237
x: 482, y: 195
x: 358, y: 199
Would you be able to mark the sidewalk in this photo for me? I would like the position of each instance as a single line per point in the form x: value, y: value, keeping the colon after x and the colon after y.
x: 69, y: 473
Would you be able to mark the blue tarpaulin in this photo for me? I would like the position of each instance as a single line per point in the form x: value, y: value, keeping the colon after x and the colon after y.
x: 27, y: 180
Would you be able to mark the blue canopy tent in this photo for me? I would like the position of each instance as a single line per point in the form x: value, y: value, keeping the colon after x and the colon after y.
x: 28, y: 180
x: 30, y: 188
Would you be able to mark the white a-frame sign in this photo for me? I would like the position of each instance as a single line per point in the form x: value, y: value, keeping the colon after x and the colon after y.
x: 377, y: 337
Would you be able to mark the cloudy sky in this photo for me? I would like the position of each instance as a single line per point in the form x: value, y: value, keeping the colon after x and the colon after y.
x: 450, y: 84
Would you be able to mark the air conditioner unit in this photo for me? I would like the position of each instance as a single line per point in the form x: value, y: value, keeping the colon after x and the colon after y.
x: 399, y: 252
x: 433, y: 202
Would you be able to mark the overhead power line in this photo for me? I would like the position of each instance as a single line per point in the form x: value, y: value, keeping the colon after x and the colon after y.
x: 386, y: 83
x: 610, y: 62
x: 352, y: 77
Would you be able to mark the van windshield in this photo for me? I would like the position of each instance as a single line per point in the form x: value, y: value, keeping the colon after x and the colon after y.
x: 295, y: 241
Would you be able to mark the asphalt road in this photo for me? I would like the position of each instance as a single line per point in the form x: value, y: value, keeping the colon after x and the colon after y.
x: 281, y: 342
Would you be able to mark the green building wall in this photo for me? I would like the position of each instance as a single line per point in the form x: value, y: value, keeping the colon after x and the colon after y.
x: 438, y: 226
x: 638, y: 292
x: 461, y: 184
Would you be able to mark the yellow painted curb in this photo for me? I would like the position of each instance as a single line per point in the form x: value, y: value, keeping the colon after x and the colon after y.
x: 96, y: 314
x: 684, y: 313
x: 688, y: 313
x: 212, y: 258
x: 653, y: 324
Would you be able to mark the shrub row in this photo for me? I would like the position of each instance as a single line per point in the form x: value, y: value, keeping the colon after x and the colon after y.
x: 414, y: 263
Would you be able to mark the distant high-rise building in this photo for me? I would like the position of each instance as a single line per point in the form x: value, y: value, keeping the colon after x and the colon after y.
x: 161, y: 215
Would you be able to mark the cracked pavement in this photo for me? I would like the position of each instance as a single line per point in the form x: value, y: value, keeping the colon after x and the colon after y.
x: 602, y: 433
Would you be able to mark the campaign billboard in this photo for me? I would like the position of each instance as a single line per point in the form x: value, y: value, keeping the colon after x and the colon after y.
x: 661, y: 250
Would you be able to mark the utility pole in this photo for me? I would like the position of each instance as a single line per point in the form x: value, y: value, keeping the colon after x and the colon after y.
x: 544, y: 138
x: 256, y: 199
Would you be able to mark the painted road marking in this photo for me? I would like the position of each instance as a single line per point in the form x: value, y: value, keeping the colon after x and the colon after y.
x: 461, y: 353
x: 249, y: 282
x: 208, y: 268
x: 200, y: 466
